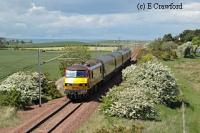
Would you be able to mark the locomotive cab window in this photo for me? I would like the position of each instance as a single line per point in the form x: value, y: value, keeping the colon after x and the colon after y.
x: 73, y: 74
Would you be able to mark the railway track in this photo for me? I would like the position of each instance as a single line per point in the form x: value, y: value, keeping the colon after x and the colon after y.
x: 54, y: 119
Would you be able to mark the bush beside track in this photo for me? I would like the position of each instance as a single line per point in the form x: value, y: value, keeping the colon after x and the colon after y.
x: 21, y: 89
x: 142, y: 88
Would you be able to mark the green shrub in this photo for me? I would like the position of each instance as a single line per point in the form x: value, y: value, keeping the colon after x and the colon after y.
x: 12, y: 98
x: 24, y: 88
x: 50, y: 92
x: 146, y: 58
x: 158, y: 54
x: 168, y: 46
x: 185, y: 50
x: 165, y: 50
x: 165, y: 56
x: 174, y: 54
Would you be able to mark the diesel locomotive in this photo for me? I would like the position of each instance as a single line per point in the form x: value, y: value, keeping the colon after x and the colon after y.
x: 83, y: 79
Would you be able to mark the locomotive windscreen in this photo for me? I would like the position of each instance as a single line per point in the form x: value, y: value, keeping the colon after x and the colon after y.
x: 73, y: 74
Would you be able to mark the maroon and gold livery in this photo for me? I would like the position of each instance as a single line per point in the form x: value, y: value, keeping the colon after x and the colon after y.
x: 80, y: 80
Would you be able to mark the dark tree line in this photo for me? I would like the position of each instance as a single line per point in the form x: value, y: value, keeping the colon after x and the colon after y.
x: 188, y: 35
x: 4, y: 42
x: 185, y: 36
x: 166, y: 47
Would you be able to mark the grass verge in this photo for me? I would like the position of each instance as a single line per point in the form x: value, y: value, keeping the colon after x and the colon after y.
x: 8, y: 117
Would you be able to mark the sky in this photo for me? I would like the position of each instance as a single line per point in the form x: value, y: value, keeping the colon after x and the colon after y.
x: 94, y: 19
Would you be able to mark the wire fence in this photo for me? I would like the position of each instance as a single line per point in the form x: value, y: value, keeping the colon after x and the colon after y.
x: 183, y: 115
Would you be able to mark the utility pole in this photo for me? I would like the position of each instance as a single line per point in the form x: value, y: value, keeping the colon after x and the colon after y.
x: 183, y: 116
x: 39, y: 72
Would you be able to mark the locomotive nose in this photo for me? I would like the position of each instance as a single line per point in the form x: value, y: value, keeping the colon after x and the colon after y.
x: 76, y: 83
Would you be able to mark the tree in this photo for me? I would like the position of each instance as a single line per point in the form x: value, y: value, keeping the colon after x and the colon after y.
x: 187, y: 35
x: 74, y: 55
x: 156, y: 45
x: 2, y: 41
x: 167, y: 37
x: 196, y: 41
x: 167, y: 46
x: 22, y: 41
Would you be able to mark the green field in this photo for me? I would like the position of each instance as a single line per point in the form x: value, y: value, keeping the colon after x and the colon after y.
x: 15, y: 60
x: 187, y: 73
x: 108, y: 43
x: 47, y: 44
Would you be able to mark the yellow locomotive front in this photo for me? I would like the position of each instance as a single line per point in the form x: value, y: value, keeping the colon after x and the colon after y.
x: 76, y: 81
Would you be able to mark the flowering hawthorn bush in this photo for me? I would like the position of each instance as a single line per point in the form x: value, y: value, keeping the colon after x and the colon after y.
x: 143, y: 86
x: 155, y: 79
x: 130, y: 103
x: 25, y: 86
x: 25, y: 83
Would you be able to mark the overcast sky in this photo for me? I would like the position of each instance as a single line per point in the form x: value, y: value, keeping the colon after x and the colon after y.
x: 93, y: 19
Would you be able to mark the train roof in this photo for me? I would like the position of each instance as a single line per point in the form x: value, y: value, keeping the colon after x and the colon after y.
x: 124, y: 50
x: 77, y: 67
x: 105, y: 58
x: 116, y: 53
x: 92, y: 62
x: 98, y: 60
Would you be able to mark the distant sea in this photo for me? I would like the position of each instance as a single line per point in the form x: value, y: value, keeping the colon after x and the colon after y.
x: 61, y: 40
x: 70, y: 40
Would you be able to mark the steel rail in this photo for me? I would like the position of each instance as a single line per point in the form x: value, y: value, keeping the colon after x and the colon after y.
x: 46, y: 118
x: 67, y: 116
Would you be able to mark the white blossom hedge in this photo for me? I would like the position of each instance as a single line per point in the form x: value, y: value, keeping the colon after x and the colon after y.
x: 129, y: 103
x: 142, y: 88
x: 155, y: 78
x: 24, y: 86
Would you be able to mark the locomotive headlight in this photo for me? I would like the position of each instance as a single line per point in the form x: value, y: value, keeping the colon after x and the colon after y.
x: 76, y: 80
